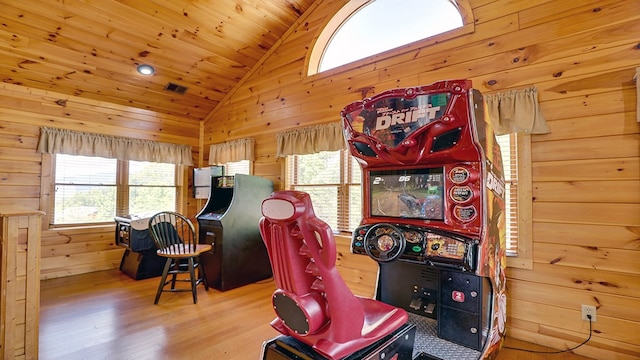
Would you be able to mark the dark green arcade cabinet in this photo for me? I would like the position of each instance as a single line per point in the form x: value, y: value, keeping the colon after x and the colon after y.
x: 229, y: 221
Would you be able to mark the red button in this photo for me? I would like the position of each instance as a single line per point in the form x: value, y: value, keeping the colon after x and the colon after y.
x: 457, y: 296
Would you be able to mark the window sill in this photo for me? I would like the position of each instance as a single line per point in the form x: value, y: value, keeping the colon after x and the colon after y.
x: 81, y: 226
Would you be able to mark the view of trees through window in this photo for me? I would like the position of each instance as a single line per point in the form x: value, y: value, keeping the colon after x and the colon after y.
x: 151, y: 187
x: 87, y: 190
x: 332, y: 180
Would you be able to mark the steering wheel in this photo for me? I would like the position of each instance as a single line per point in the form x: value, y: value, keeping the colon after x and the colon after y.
x: 384, y: 242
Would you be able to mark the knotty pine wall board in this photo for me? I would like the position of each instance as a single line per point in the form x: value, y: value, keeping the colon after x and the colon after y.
x: 23, y: 111
x: 581, y: 57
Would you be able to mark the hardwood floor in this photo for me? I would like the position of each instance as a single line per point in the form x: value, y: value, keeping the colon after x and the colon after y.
x: 108, y: 315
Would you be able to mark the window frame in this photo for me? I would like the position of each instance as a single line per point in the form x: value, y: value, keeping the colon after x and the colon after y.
x: 326, y: 32
x: 47, y: 198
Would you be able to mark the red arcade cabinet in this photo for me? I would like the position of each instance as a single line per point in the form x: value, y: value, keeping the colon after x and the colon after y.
x: 433, y: 213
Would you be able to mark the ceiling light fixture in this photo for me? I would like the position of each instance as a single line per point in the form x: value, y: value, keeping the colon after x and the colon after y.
x: 146, y: 69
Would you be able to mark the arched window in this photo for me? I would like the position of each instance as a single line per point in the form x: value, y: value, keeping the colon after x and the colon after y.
x: 363, y: 28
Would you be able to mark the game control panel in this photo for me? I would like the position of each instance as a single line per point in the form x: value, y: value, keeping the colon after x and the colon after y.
x: 386, y: 242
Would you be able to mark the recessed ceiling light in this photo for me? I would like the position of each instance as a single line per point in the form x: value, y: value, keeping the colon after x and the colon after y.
x: 146, y: 69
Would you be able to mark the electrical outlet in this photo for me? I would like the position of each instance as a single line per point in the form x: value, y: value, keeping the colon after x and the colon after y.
x: 588, y: 310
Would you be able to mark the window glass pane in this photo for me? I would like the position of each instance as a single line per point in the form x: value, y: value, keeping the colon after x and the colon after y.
x: 403, y: 22
x: 508, y: 148
x: 72, y: 169
x: 148, y: 199
x: 325, y: 203
x: 237, y: 167
x: 356, y: 171
x: 319, y: 168
x: 355, y: 206
x: 332, y: 179
x: 76, y: 204
x: 152, y: 187
x: 150, y: 173
x: 354, y: 175
x: 85, y: 190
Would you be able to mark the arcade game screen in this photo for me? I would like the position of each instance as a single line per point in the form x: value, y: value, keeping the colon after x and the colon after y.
x: 415, y: 194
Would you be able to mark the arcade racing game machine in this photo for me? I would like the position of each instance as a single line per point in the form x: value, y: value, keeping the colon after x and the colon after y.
x: 433, y: 214
x: 433, y: 203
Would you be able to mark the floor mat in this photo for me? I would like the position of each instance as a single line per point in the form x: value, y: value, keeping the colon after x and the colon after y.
x: 429, y: 344
x: 423, y: 356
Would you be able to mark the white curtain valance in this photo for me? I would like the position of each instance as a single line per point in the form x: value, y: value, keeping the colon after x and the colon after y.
x: 309, y: 140
x: 231, y: 151
x: 516, y: 111
x: 60, y: 141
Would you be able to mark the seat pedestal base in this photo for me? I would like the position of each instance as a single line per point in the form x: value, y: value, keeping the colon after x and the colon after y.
x: 396, y: 346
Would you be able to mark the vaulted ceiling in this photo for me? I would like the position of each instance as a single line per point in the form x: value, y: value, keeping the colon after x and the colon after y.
x: 91, y: 48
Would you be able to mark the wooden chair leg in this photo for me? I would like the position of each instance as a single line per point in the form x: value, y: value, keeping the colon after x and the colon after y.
x: 174, y: 274
x: 194, y: 282
x: 167, y: 266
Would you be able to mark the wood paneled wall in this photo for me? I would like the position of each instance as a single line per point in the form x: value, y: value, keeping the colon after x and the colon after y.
x: 581, y: 55
x: 70, y: 251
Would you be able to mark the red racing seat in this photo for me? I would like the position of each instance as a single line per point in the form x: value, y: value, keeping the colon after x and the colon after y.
x: 312, y: 302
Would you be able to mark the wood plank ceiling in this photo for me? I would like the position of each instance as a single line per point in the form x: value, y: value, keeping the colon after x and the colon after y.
x: 91, y: 48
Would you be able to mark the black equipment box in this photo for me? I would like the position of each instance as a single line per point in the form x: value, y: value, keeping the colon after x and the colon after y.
x: 142, y: 265
x: 139, y: 260
x: 463, y: 316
